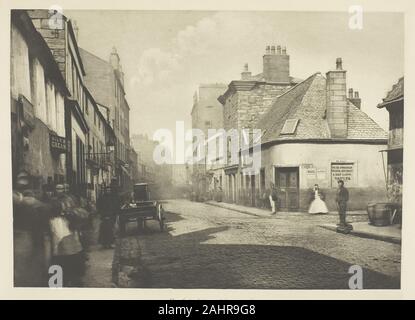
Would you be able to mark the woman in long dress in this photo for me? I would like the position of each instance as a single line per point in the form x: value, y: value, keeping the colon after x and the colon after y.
x: 318, y: 206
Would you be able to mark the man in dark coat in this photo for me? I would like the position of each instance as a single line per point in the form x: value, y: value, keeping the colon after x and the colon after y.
x: 108, y: 206
x: 342, y: 197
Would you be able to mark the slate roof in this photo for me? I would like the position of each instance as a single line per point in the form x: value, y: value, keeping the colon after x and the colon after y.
x: 260, y: 77
x: 395, y: 93
x: 306, y: 101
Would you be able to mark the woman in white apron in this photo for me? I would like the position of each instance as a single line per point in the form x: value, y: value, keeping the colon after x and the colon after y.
x: 318, y: 206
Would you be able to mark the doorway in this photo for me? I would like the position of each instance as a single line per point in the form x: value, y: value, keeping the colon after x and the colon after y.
x: 287, y: 182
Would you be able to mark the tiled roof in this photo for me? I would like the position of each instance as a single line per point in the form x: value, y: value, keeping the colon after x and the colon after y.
x: 395, y: 93
x: 307, y: 102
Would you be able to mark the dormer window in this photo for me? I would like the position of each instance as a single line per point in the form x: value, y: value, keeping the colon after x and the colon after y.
x: 290, y: 126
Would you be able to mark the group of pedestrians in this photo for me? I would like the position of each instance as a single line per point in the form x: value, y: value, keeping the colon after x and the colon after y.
x: 53, y: 222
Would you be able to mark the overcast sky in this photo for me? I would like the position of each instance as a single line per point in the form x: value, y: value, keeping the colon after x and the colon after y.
x: 166, y: 54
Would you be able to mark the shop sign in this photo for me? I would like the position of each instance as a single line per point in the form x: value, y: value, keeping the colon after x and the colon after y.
x: 57, y: 143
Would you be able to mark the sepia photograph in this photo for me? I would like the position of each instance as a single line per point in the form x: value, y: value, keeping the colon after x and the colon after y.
x: 206, y: 149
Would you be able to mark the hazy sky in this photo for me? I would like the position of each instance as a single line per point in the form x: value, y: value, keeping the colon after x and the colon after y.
x: 166, y: 54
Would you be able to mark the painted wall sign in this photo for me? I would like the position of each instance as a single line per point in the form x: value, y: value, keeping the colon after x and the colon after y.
x: 342, y: 171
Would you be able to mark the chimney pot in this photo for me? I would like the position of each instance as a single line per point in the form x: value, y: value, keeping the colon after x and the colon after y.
x: 279, y: 49
x: 246, y: 67
x: 284, y: 50
x: 272, y: 49
x: 356, y: 94
x: 267, y: 50
x: 339, y: 64
x: 351, y: 93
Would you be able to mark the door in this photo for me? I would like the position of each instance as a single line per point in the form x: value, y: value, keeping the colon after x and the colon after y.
x: 287, y: 182
x: 253, y: 193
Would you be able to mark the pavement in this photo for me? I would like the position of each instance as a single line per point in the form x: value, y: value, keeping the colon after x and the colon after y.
x: 361, y: 229
x: 214, y: 247
x: 266, y: 212
x: 365, y: 230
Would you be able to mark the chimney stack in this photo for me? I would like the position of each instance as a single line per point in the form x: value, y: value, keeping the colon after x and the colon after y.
x: 114, y: 59
x: 350, y: 93
x: 336, y: 101
x: 355, y: 99
x: 246, y: 74
x: 339, y: 64
x: 276, y: 67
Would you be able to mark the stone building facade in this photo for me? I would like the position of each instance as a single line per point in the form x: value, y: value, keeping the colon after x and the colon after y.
x: 249, y: 98
x: 38, y: 92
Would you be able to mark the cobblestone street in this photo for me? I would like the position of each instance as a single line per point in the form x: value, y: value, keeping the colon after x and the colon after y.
x: 211, y: 247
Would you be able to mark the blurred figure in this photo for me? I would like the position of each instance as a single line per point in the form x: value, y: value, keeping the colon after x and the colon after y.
x: 30, y: 226
x: 48, y: 189
x: 67, y: 251
x: 108, y: 206
x: 273, y: 198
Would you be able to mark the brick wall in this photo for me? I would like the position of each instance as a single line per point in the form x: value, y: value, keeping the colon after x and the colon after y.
x: 54, y: 38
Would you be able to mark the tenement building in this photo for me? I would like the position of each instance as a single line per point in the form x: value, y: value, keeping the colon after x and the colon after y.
x: 38, y: 93
x: 105, y: 80
x: 313, y: 132
x: 61, y: 39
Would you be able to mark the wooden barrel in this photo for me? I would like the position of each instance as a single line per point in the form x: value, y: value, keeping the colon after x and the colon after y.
x: 379, y: 213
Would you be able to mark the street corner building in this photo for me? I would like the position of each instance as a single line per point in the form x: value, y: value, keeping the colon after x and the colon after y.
x: 313, y: 132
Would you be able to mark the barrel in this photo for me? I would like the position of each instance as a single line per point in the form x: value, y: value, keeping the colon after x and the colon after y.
x: 379, y: 213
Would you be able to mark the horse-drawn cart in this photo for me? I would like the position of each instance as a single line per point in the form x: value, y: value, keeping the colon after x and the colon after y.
x: 140, y: 209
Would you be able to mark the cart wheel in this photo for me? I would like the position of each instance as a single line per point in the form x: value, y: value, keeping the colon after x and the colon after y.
x: 160, y: 217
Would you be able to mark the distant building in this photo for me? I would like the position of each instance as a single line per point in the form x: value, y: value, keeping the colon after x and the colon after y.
x: 207, y: 113
x: 105, y: 80
x: 133, y: 161
x: 394, y: 104
x: 312, y: 132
